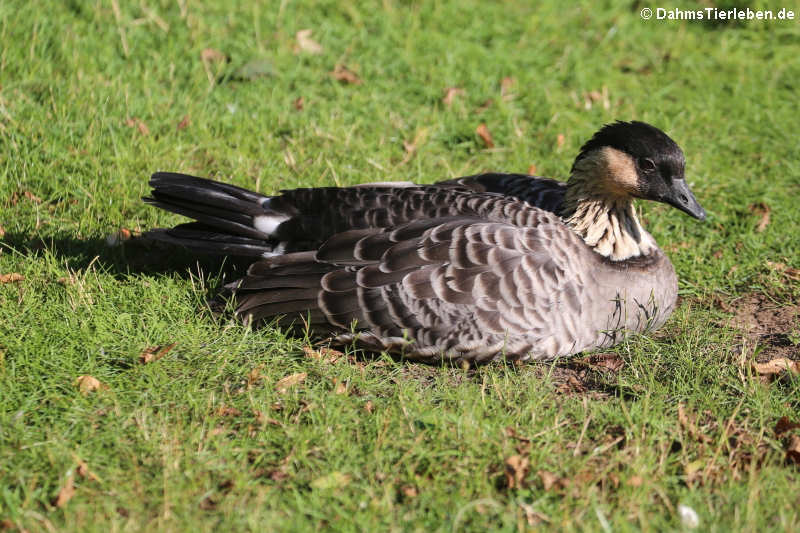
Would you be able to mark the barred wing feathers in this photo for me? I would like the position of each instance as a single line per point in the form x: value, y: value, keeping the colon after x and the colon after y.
x: 458, y: 286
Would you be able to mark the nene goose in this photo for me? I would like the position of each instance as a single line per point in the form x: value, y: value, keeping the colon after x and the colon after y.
x: 472, y: 269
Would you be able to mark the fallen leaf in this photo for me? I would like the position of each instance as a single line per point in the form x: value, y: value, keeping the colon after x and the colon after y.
x: 688, y: 424
x: 84, y: 472
x: 184, y: 123
x: 776, y: 366
x: 484, y: 106
x: 2, y: 232
x: 483, y: 132
x: 413, y: 145
x: 124, y: 234
x: 32, y: 197
x: 516, y: 469
x: 154, y: 353
x: 506, y: 85
x: 87, y: 384
x: 333, y: 480
x: 299, y: 103
x: 213, y: 56
x: 340, y: 387
x: 284, y: 384
x: 11, y: 278
x: 345, y: 75
x: 369, y: 407
x: 635, y: 481
x: 532, y: 170
x: 784, y: 425
x: 560, y: 140
x: 254, y: 376
x: 409, y: 491
x: 66, y: 493
x: 762, y: 210
x: 213, y: 63
x: 793, y: 450
x: 306, y: 44
x: 449, y: 95
x: 132, y: 122
x: 324, y: 354
x: 549, y: 479
x: 604, y: 361
x: 789, y: 272
x: 227, y: 411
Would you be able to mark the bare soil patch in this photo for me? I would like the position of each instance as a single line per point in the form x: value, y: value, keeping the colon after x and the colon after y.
x: 765, y: 323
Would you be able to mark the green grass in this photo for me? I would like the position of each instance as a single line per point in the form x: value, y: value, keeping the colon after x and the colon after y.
x: 179, y: 444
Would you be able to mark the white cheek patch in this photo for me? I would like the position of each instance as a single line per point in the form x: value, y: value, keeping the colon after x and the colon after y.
x: 268, y: 223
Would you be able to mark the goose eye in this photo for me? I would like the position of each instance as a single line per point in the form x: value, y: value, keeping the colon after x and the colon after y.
x: 647, y: 165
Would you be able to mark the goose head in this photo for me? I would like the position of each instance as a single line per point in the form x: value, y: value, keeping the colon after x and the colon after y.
x: 621, y: 162
x: 635, y: 160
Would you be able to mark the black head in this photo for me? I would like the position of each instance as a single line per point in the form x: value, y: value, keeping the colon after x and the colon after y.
x: 658, y: 162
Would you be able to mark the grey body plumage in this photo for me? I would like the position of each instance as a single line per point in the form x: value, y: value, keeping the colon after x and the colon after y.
x: 476, y: 268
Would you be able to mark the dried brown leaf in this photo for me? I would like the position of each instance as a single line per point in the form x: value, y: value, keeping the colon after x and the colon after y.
x: 635, y: 481
x: 209, y: 55
x: 299, y: 103
x: 605, y: 361
x: 532, y: 170
x: 32, y: 197
x: 762, y: 210
x: 686, y: 421
x: 2, y: 232
x: 254, y: 376
x: 184, y: 123
x: 228, y: 411
x: 483, y: 132
x: 789, y: 272
x: 409, y: 491
x: 783, y: 425
x: 324, y: 354
x: 84, y: 472
x: 560, y: 140
x: 345, y: 75
x: 776, y: 366
x: 11, y: 278
x: 284, y: 384
x: 139, y: 124
x: 340, y: 387
x: 549, y: 479
x: 369, y: 407
x: 793, y: 450
x: 66, y: 492
x: 306, y: 44
x: 87, y: 384
x: 506, y: 86
x: 449, y: 95
x: 516, y: 468
x: 154, y: 353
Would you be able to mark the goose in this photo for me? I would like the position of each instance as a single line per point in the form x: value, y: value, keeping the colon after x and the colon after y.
x: 471, y: 270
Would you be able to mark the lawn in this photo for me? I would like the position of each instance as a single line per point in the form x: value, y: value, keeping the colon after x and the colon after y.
x: 224, y: 428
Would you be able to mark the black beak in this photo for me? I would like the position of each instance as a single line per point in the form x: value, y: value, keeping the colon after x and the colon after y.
x: 680, y: 197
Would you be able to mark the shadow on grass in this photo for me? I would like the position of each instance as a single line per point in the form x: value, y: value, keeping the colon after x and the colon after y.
x: 134, y: 256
